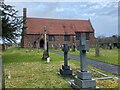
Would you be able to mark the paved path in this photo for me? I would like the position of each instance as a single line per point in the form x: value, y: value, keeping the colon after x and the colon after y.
x: 98, y: 64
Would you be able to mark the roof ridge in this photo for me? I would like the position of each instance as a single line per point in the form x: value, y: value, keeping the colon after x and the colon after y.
x: 58, y: 19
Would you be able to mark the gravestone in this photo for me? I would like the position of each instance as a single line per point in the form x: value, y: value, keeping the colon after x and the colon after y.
x: 65, y: 70
x: 97, y: 49
x: 110, y: 46
x: 83, y: 80
x: 34, y: 44
x: 56, y: 47
x: 52, y: 46
x: 73, y: 48
x: 45, y: 53
x: 59, y: 45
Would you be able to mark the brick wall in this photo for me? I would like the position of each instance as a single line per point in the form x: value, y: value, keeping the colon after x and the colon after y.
x: 59, y: 40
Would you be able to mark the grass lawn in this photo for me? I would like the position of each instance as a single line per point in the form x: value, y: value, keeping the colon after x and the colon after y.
x: 28, y: 70
x: 109, y: 56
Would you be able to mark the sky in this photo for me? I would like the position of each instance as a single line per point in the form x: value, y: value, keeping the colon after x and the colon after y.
x: 103, y: 15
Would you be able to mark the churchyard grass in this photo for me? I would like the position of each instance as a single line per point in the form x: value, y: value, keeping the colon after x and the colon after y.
x: 106, y: 55
x: 0, y: 52
x: 28, y: 70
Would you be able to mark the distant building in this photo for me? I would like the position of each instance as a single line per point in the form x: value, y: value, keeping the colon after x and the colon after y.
x: 105, y: 42
x: 59, y: 31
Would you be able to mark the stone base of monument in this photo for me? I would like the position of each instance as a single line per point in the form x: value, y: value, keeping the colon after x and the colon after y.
x: 76, y: 87
x: 84, y: 75
x: 65, y: 70
x: 45, y: 55
x: 83, y: 81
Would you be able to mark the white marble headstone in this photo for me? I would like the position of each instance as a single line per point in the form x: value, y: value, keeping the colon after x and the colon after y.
x: 48, y: 59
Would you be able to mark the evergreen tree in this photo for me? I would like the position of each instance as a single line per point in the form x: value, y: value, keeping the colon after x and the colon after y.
x: 11, y: 23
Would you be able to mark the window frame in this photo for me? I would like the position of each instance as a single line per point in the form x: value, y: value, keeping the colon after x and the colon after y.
x: 51, y: 37
x: 66, y: 37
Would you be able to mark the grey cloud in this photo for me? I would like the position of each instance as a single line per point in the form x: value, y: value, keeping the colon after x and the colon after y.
x: 103, y: 15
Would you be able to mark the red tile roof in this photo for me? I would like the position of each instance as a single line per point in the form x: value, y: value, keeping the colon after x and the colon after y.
x: 57, y: 26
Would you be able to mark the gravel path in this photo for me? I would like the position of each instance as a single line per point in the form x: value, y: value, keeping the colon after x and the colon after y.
x: 98, y: 64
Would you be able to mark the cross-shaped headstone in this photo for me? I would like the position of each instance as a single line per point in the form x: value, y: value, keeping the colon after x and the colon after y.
x: 45, y: 53
x: 65, y: 50
x: 83, y: 80
x: 65, y: 70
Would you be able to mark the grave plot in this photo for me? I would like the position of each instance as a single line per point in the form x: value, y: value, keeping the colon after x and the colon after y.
x: 28, y: 70
x: 83, y: 79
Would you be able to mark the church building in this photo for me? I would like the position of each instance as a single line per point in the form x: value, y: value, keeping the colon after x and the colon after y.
x: 59, y: 31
